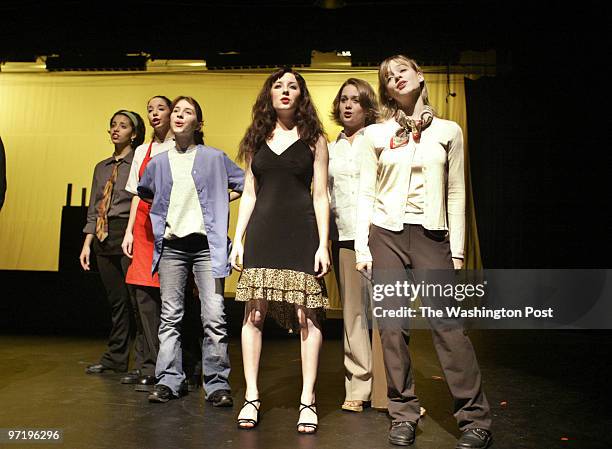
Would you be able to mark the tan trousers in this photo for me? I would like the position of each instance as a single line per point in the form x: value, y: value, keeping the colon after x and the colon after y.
x: 355, y: 297
x: 380, y: 400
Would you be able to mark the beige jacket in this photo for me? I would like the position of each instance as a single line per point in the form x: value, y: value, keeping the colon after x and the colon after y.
x: 385, y: 177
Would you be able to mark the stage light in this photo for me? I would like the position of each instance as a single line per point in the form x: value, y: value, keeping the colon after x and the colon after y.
x: 330, y: 4
x: 232, y: 60
x: 330, y: 60
x: 29, y: 66
x: 96, y: 62
x: 175, y: 65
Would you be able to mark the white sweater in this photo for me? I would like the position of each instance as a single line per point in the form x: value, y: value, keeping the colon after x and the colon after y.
x: 385, y: 178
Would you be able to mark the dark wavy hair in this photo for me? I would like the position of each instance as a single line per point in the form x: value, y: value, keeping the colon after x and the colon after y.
x: 138, y: 127
x: 262, y: 127
x: 367, y: 100
x: 198, y: 135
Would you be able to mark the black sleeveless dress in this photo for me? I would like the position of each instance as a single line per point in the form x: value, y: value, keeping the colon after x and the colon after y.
x: 282, y: 236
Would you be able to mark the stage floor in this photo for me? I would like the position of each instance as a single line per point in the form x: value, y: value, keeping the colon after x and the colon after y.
x: 547, y: 390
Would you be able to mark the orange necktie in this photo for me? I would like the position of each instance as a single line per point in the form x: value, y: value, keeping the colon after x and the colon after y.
x: 102, y: 220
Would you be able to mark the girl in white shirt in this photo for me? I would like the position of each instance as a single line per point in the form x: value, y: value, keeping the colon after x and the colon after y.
x: 411, y: 215
x: 354, y: 107
x: 138, y: 242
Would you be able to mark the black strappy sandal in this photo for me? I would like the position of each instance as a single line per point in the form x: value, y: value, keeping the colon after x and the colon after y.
x: 307, y: 425
x: 249, y: 420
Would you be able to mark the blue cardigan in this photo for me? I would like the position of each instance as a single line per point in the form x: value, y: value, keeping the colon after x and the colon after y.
x: 213, y: 173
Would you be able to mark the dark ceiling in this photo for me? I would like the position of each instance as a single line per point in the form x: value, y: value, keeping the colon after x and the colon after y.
x: 434, y: 31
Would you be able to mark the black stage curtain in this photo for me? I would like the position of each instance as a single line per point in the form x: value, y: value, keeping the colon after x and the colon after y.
x: 540, y: 161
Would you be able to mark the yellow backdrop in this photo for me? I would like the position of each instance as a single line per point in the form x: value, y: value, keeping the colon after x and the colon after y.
x: 54, y: 127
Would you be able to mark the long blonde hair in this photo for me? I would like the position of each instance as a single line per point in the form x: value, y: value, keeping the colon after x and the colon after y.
x: 388, y: 106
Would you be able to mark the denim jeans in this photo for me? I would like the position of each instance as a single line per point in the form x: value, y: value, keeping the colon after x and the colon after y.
x: 177, y: 258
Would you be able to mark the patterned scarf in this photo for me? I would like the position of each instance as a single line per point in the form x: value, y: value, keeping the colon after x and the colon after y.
x: 410, y: 126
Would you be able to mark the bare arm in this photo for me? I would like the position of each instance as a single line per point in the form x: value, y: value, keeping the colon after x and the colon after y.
x: 128, y: 239
x: 133, y: 209
x: 321, y: 206
x: 247, y: 204
x: 234, y: 195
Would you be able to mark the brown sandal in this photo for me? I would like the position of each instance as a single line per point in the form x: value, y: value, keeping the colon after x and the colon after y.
x: 353, y: 406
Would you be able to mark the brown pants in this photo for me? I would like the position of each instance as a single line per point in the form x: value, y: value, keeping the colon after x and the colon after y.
x: 417, y: 248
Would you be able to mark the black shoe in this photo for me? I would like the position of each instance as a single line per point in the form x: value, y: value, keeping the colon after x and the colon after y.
x: 131, y: 377
x: 221, y: 398
x: 474, y: 439
x: 183, y: 388
x: 194, y: 383
x: 161, y: 393
x: 97, y: 369
x: 402, y: 433
x: 145, y: 383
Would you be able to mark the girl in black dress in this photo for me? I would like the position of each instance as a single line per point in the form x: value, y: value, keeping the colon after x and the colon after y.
x: 286, y: 246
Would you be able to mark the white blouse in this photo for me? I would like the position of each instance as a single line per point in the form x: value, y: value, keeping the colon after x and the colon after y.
x: 139, y: 155
x: 343, y: 185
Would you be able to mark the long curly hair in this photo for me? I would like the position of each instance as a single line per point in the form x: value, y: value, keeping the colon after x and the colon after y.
x: 262, y: 127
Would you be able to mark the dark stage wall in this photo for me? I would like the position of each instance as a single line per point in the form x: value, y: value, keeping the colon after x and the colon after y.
x: 74, y: 303
x: 540, y: 172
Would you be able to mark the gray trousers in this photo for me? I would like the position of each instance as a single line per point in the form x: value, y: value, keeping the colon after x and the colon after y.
x: 420, y: 249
